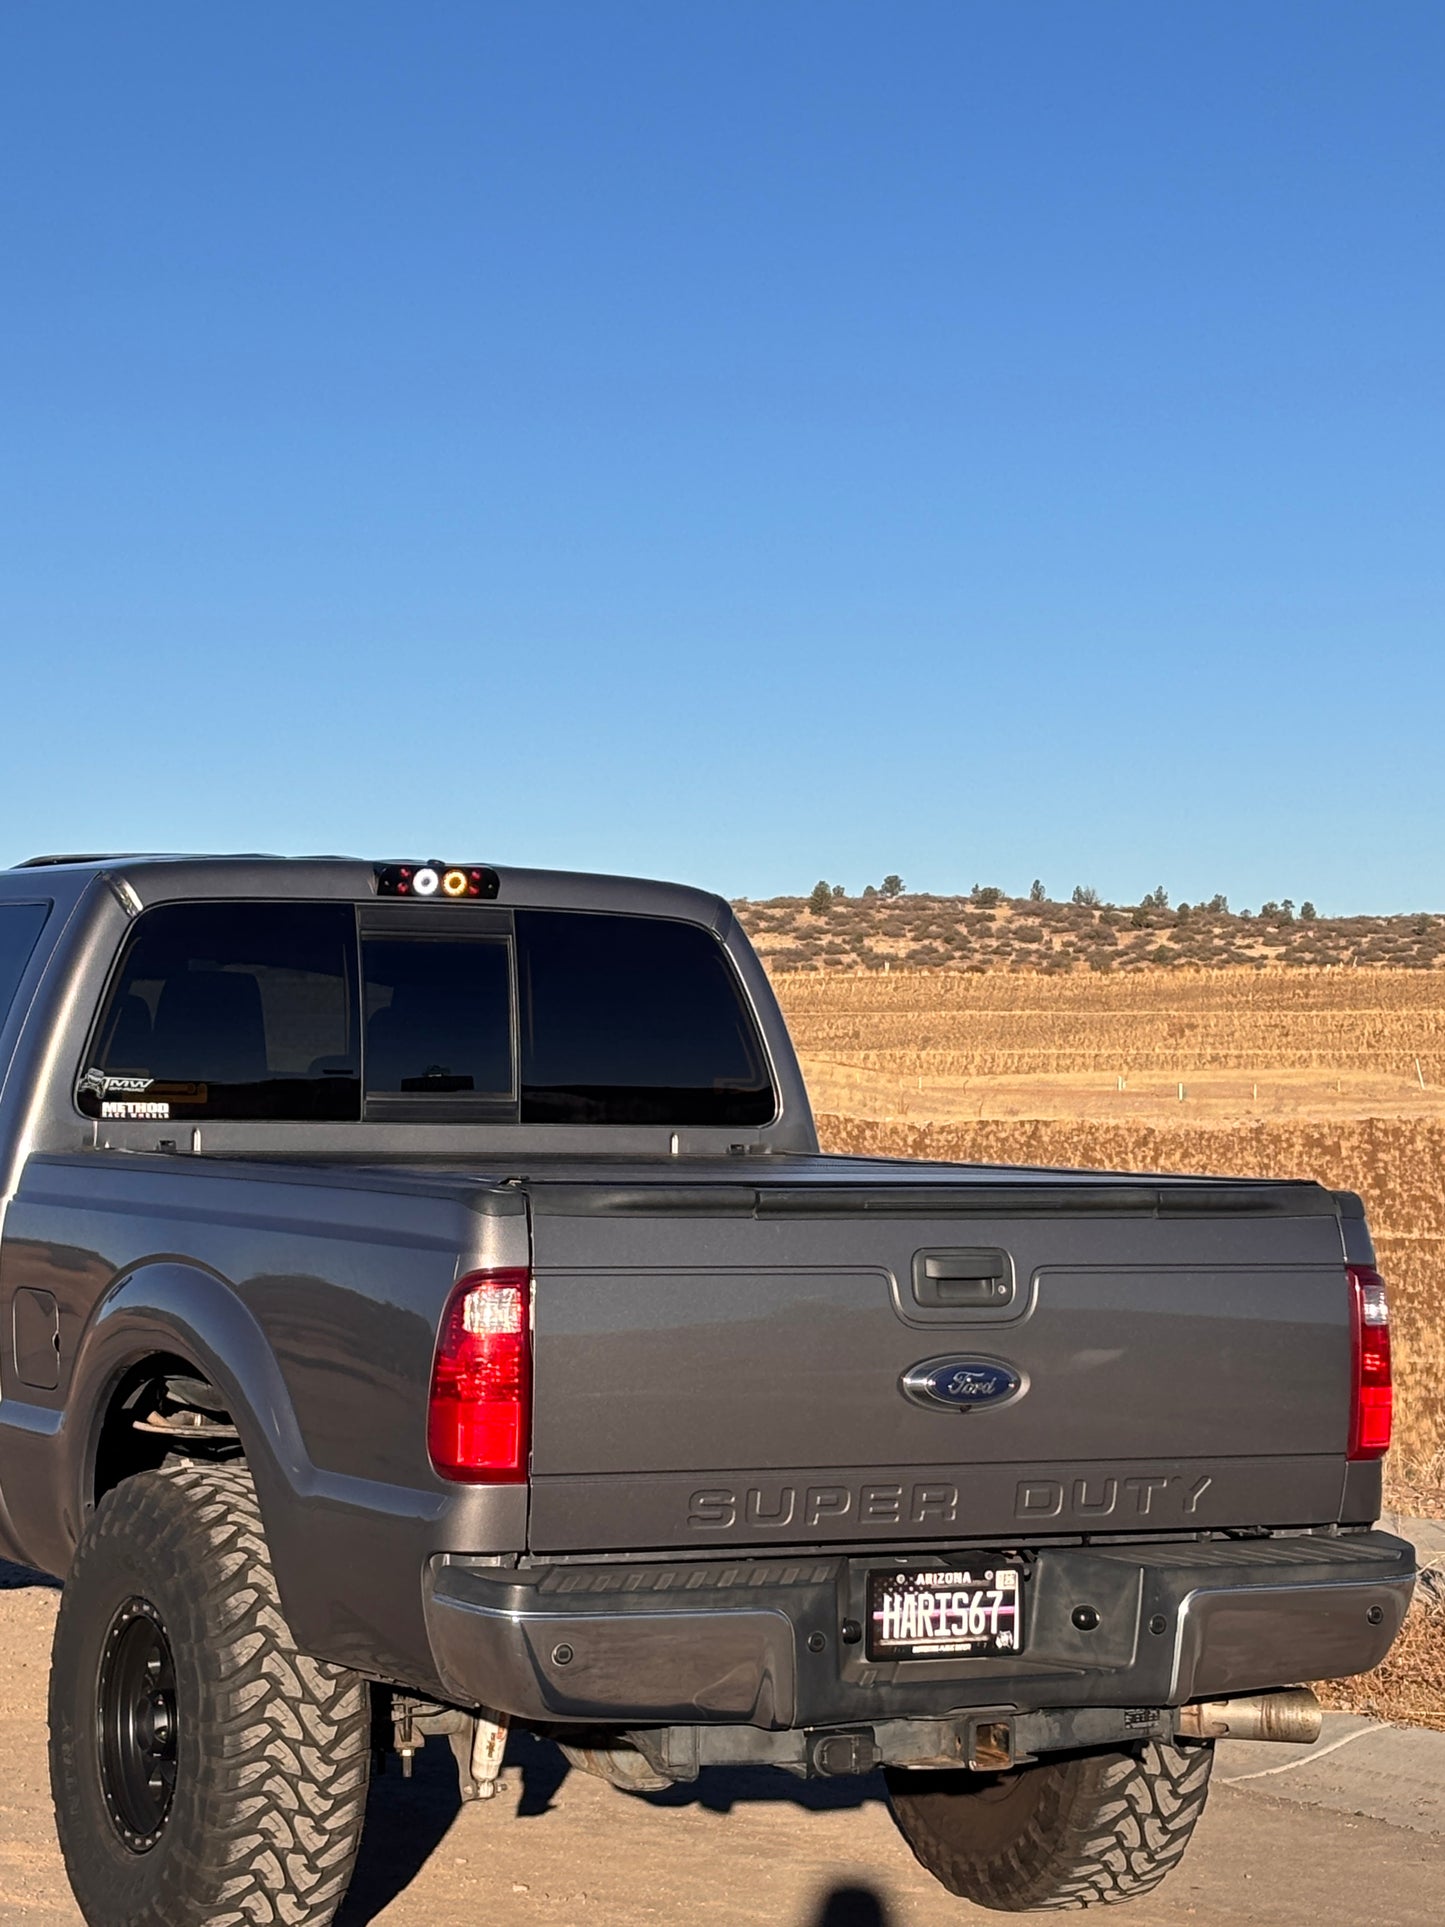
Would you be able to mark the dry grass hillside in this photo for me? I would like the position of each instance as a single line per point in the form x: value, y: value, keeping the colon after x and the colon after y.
x: 988, y: 931
x: 1183, y: 1046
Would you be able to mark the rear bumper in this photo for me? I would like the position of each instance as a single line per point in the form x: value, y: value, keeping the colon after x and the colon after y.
x: 761, y: 1641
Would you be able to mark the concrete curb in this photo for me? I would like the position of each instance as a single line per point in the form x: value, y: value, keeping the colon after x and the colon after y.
x: 1427, y: 1535
x: 1390, y: 1773
x: 1428, y: 1538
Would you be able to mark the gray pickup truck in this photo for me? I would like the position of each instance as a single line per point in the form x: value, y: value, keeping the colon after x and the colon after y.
x: 425, y: 1311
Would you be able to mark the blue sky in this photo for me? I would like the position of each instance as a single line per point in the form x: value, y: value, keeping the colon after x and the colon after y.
x: 744, y: 442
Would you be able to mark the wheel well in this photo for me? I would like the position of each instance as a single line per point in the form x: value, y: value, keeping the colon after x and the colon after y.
x: 162, y: 1407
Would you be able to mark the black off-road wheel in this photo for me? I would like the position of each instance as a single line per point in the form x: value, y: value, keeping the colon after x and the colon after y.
x: 1078, y: 1831
x: 206, y: 1774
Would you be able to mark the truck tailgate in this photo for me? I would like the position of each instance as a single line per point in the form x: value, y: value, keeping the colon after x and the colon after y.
x: 722, y: 1364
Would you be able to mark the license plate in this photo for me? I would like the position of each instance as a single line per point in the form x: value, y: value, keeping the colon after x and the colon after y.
x: 955, y: 1612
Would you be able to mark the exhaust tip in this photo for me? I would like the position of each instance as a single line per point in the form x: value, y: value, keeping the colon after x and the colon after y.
x: 1293, y: 1717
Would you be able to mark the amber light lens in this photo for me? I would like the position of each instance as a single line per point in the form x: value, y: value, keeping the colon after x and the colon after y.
x: 1372, y: 1413
x: 479, y: 1417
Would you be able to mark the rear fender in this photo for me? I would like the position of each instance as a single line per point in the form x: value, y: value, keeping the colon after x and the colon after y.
x: 348, y: 1553
x: 187, y: 1312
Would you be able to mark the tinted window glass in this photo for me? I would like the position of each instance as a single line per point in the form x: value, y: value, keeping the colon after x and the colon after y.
x: 633, y: 1020
x: 438, y: 1016
x: 20, y: 925
x: 231, y: 1010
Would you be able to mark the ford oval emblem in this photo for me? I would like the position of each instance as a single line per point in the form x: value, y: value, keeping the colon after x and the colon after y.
x: 961, y: 1384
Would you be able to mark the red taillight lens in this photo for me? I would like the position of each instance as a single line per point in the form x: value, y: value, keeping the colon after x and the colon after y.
x: 1373, y: 1408
x: 478, y: 1422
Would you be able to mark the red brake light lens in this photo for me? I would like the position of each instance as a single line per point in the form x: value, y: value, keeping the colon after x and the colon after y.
x: 479, y: 1420
x: 1373, y: 1407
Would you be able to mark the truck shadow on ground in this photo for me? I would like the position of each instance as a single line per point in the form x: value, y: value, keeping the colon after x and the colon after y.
x: 719, y: 1789
x: 407, y: 1820
x: 21, y: 1579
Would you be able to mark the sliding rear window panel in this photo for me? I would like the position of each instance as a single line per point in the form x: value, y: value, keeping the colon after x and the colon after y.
x: 433, y: 934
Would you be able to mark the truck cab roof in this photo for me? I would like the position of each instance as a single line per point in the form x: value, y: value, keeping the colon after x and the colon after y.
x: 157, y: 877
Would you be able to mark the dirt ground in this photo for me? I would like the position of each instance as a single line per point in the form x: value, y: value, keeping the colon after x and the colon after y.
x: 558, y: 1849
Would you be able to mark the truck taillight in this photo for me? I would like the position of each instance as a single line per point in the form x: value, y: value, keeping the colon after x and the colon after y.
x: 1373, y: 1406
x: 479, y: 1418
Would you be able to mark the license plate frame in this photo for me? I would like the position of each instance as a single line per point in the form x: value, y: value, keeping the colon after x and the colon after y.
x: 931, y: 1612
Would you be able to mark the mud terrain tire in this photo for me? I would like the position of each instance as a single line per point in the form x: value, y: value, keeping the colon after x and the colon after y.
x: 1078, y: 1831
x: 205, y: 1773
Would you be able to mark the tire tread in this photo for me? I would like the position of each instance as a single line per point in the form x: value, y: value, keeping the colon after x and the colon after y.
x: 1115, y: 1825
x: 287, y: 1738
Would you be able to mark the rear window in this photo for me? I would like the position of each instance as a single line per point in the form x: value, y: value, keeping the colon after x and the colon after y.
x: 425, y: 1014
x: 633, y: 1020
x: 231, y: 1010
x: 20, y: 925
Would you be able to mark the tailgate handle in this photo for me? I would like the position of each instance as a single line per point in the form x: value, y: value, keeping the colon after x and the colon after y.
x: 981, y: 1279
